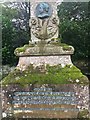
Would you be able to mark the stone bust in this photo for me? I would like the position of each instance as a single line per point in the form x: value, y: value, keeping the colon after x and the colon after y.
x: 43, y: 10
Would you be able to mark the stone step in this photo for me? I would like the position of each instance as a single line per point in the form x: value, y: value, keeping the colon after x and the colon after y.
x: 47, y: 114
x: 44, y: 106
x: 46, y: 111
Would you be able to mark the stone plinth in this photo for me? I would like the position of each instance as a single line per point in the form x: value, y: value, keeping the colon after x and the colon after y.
x: 25, y: 62
x: 47, y: 54
x: 47, y: 49
x: 46, y: 101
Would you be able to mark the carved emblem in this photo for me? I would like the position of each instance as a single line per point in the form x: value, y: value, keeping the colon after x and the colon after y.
x: 44, y: 25
x: 43, y: 10
x: 44, y: 29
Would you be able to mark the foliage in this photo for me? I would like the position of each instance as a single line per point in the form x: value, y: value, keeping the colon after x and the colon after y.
x: 74, y: 28
x: 8, y: 33
x: 12, y: 35
x: 74, y: 24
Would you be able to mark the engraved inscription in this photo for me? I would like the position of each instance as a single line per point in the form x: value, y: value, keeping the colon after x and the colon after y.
x: 43, y: 97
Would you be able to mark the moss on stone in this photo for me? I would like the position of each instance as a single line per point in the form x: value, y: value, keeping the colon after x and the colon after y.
x: 23, y: 49
x: 51, y: 75
x: 41, y: 46
x: 63, y: 45
x: 84, y: 114
x: 56, y: 39
x: 67, y: 48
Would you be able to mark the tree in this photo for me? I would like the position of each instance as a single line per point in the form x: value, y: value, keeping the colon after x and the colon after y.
x: 8, y: 34
x: 15, y: 30
x: 74, y: 27
x: 74, y: 23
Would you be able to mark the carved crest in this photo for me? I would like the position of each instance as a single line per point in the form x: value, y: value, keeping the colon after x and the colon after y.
x: 44, y: 29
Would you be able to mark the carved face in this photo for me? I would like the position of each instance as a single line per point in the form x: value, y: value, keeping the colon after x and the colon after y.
x: 43, y: 10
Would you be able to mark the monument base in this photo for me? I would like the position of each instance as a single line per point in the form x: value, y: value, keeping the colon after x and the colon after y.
x: 45, y: 85
x: 41, y: 48
x: 46, y: 101
x: 46, y: 74
x: 46, y: 92
x: 43, y: 54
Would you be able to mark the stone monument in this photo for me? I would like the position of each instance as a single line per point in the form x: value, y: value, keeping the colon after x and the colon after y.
x: 44, y: 44
x: 45, y: 83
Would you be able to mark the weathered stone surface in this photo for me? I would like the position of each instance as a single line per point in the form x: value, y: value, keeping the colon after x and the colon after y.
x: 41, y: 54
x: 73, y: 92
x: 45, y: 64
x: 24, y: 62
x: 38, y: 26
x: 46, y: 74
x: 46, y: 49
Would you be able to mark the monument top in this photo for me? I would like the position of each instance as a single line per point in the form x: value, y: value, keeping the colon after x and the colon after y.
x: 43, y: 10
x: 44, y: 20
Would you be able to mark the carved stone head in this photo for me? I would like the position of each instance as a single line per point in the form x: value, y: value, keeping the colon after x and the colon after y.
x: 43, y: 10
